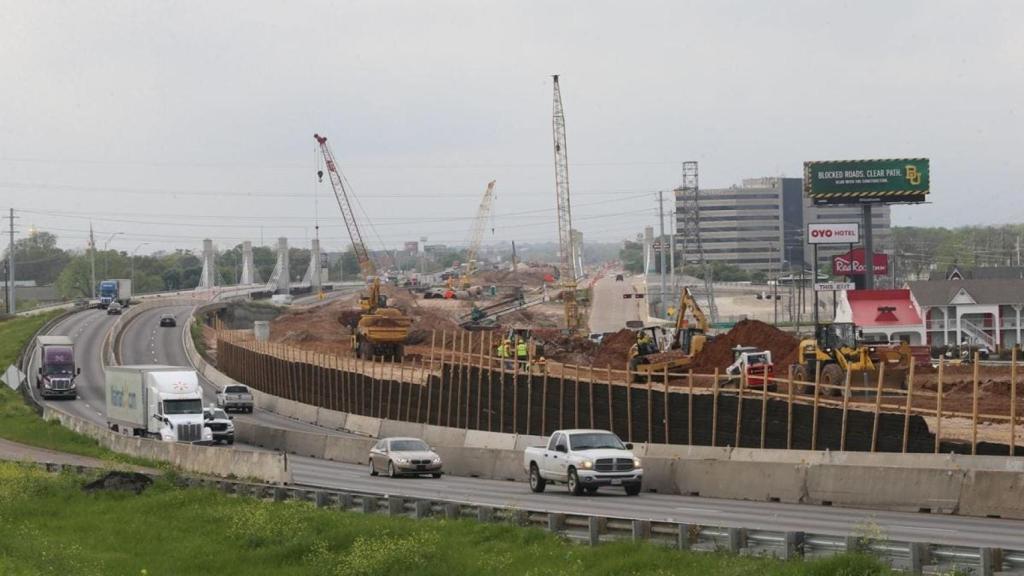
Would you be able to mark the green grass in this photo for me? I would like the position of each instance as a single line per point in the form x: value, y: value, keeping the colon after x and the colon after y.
x: 20, y: 423
x: 52, y: 527
x: 196, y: 330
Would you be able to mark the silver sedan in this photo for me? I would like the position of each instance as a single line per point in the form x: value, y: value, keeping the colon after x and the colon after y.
x: 404, y: 457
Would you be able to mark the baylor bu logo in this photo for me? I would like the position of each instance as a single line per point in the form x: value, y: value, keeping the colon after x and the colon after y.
x: 913, y: 176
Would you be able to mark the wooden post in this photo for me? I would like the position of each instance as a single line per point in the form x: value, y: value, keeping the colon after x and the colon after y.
x: 664, y: 404
x: 878, y: 406
x: 484, y: 357
x: 974, y: 407
x: 938, y: 408
x: 529, y: 400
x: 469, y: 374
x: 515, y: 392
x: 764, y: 407
x: 629, y: 405
x: 576, y: 399
x: 650, y: 407
x: 789, y: 409
x: 611, y: 414
x: 714, y: 410
x: 561, y: 398
x: 457, y: 357
x: 817, y: 393
x: 739, y: 407
x: 490, y: 394
x: 910, y: 403
x: 689, y: 408
x: 590, y: 390
x: 544, y: 405
x: 380, y: 389
x: 1013, y: 401
x: 430, y: 369
x: 391, y: 382
x: 846, y: 408
x: 501, y: 392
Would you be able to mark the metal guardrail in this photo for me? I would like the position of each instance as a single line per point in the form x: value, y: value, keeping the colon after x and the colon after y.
x: 914, y: 557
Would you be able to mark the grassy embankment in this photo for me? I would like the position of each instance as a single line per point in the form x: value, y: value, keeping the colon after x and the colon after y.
x: 52, y: 527
x: 19, y: 422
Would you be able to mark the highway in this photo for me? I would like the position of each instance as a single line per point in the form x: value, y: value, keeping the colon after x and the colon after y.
x: 145, y: 342
x: 610, y: 311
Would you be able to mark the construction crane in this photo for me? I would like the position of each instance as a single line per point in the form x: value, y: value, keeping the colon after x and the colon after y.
x: 381, y: 331
x: 476, y: 235
x: 567, y: 251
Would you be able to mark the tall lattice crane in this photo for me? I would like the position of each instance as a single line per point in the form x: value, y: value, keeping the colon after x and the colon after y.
x: 476, y: 234
x: 565, y: 239
x: 341, y: 195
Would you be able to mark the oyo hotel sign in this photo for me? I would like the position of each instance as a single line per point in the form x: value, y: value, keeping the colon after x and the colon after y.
x: 833, y: 233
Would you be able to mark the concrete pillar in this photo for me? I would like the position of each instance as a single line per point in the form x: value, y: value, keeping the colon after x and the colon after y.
x: 208, y: 278
x: 248, y: 268
x: 261, y: 329
x: 314, y: 266
x: 284, y: 280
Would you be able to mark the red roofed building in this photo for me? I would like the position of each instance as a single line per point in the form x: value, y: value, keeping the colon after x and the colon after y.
x: 889, y: 315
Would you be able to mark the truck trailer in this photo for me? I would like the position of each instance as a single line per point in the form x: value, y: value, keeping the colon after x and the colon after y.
x: 56, y: 372
x: 117, y: 290
x: 163, y: 402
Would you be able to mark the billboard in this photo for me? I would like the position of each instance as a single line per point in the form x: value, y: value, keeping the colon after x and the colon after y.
x: 834, y: 233
x: 867, y: 181
x: 852, y: 263
x: 412, y: 247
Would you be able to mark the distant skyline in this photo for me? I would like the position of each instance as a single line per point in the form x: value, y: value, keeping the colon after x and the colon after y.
x: 181, y: 121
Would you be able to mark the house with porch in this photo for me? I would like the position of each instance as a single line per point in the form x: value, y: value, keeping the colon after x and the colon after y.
x: 975, y: 311
x: 883, y: 315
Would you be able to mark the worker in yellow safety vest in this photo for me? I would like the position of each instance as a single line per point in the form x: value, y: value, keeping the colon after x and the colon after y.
x: 522, y: 353
x: 505, y: 353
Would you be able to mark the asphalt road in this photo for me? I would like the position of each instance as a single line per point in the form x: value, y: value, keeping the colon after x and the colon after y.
x: 896, y: 526
x: 610, y: 311
x: 144, y: 342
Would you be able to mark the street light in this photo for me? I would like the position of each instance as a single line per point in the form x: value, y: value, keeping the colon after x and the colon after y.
x: 133, y: 263
x: 106, y: 258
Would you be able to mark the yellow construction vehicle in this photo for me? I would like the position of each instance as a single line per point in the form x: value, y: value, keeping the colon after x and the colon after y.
x: 657, y: 350
x: 836, y: 350
x: 381, y: 331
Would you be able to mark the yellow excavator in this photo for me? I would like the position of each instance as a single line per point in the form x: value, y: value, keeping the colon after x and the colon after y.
x: 685, y: 341
x: 381, y: 331
x: 835, y: 349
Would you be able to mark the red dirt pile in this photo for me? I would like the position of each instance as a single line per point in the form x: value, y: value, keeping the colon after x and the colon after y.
x: 614, y: 350
x: 718, y: 352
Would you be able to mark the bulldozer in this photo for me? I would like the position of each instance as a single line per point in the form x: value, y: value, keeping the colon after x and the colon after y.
x: 381, y: 331
x: 836, y: 349
x: 657, y: 350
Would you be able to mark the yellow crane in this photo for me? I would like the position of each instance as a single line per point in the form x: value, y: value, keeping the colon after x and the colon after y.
x: 476, y: 235
x: 381, y: 331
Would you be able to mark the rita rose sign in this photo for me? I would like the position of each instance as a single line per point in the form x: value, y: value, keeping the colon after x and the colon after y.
x: 852, y: 263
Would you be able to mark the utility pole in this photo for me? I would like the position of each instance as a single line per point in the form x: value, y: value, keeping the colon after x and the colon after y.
x: 672, y: 255
x: 661, y: 242
x: 12, y: 306
x: 92, y: 262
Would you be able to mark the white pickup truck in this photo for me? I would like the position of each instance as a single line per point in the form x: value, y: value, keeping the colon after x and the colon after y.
x: 584, y: 460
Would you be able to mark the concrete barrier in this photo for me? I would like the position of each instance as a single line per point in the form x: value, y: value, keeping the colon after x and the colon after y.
x: 395, y: 428
x: 348, y: 450
x: 211, y: 460
x: 738, y: 480
x: 441, y: 436
x: 908, y: 489
x: 992, y: 493
x: 305, y: 443
x: 363, y: 425
x: 474, y: 462
x: 493, y: 440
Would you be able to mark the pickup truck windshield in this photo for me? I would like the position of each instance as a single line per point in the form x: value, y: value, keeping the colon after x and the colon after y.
x: 194, y: 406
x: 595, y: 441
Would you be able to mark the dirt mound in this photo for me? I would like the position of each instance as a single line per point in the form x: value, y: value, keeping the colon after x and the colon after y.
x: 718, y: 352
x: 614, y: 350
x: 297, y: 336
x: 566, y: 349
x: 120, y: 482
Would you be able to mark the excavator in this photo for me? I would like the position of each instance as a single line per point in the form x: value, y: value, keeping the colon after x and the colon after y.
x: 681, y: 345
x: 835, y: 350
x: 381, y: 331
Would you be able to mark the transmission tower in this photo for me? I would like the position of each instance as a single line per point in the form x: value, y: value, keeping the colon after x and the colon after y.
x: 565, y: 239
x: 688, y: 206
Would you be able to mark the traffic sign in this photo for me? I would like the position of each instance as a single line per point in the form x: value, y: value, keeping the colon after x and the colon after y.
x: 13, y: 377
x: 833, y: 286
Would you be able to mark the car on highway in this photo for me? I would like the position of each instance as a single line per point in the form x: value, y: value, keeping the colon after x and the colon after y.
x: 584, y: 460
x: 167, y: 320
x: 618, y: 277
x: 114, y: 309
x: 220, y: 424
x: 235, y: 397
x: 404, y: 457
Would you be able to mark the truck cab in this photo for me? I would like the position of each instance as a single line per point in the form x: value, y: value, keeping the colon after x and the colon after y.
x: 56, y: 372
x: 163, y: 402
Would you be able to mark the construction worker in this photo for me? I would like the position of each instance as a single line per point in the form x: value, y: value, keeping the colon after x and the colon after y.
x: 643, y: 343
x: 522, y: 354
x: 505, y: 354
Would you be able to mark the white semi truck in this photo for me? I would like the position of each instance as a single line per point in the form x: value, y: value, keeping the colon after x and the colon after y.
x: 163, y: 402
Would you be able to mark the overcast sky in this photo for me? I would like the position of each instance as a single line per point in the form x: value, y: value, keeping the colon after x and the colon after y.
x: 175, y: 121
